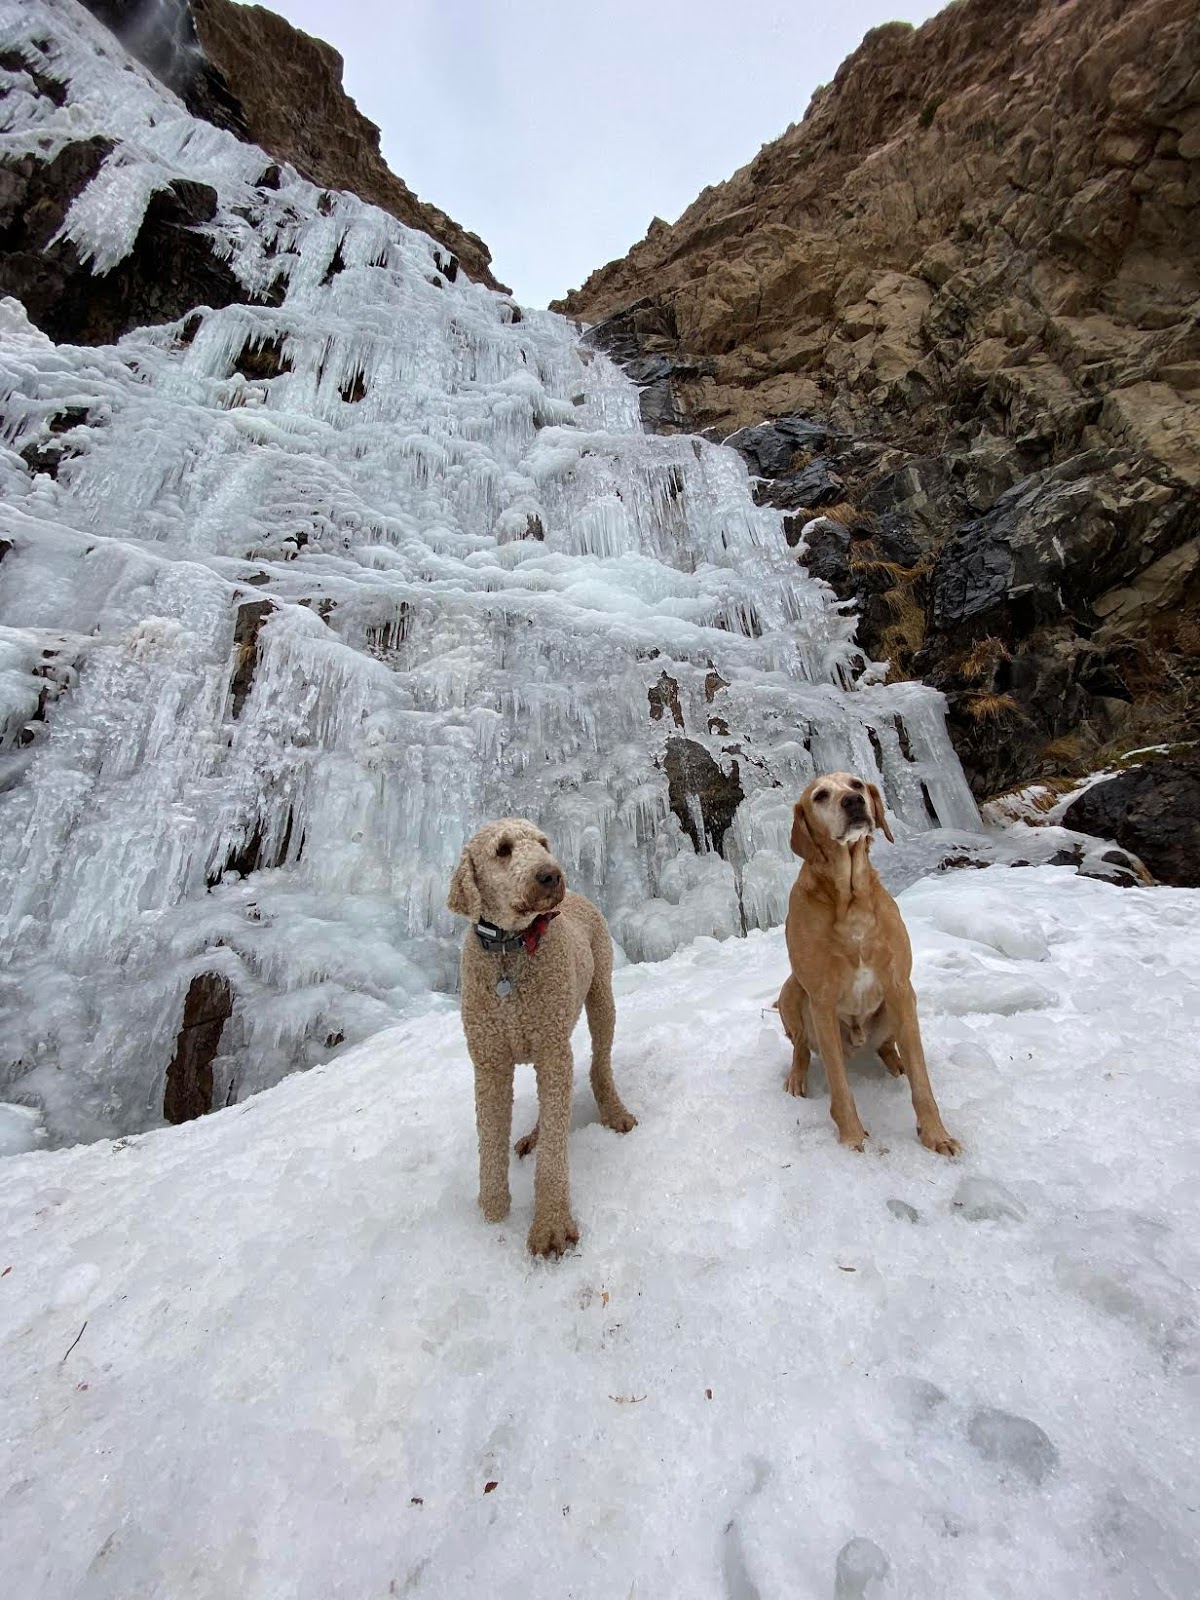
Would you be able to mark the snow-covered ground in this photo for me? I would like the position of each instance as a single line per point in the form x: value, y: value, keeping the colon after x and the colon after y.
x: 278, y: 1354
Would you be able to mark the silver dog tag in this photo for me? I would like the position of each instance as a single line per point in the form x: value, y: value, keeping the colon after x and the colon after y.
x: 504, y: 988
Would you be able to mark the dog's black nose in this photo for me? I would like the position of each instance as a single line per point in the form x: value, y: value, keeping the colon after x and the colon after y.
x: 854, y: 802
x: 550, y: 879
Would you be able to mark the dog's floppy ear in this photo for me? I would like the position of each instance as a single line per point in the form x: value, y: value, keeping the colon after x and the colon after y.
x: 464, y: 897
x: 878, y: 815
x: 803, y: 842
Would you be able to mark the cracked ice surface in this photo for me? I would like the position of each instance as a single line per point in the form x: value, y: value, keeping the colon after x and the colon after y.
x: 424, y: 661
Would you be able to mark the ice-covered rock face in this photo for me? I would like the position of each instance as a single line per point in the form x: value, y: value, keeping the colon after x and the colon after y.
x: 294, y: 596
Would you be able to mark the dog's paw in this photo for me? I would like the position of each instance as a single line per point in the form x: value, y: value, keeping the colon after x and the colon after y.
x: 526, y: 1146
x: 937, y: 1139
x: 552, y: 1236
x: 619, y: 1120
x: 495, y: 1207
x: 797, y: 1084
x: 854, y: 1138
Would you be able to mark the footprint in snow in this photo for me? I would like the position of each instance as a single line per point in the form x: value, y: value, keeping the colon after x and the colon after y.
x: 1013, y: 1443
x: 985, y: 1200
x: 860, y: 1571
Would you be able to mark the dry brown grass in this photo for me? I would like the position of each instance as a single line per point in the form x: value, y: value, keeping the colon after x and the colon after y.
x: 989, y: 707
x: 1069, y: 754
x: 849, y: 516
x: 891, y: 569
x: 1041, y: 794
x: 906, y: 634
x: 982, y: 658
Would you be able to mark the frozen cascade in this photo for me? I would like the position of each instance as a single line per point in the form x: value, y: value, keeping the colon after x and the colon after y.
x: 317, y: 587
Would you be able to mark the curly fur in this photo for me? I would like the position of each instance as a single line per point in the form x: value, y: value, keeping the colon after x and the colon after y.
x: 508, y: 877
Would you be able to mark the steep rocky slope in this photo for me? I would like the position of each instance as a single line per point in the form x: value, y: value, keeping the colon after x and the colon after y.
x: 963, y: 293
x: 251, y: 72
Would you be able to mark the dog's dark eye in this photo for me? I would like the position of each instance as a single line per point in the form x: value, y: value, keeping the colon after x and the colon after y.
x: 821, y: 794
x: 504, y: 848
x: 545, y: 843
x: 856, y: 783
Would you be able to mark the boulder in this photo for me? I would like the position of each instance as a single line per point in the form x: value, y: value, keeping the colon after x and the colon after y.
x: 1153, y: 811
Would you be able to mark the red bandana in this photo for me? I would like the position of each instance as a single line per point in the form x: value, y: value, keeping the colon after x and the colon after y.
x: 532, y: 935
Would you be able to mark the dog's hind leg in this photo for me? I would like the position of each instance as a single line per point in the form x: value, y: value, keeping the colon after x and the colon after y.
x: 602, y: 1021
x: 527, y: 1143
x: 797, y: 1078
x: 792, y: 1009
x: 493, y: 1123
x: 890, y: 1057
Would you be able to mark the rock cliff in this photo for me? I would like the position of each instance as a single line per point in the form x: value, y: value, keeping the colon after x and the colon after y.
x: 952, y: 319
x: 250, y: 71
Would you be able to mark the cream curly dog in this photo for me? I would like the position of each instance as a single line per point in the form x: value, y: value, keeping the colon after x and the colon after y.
x: 536, y: 955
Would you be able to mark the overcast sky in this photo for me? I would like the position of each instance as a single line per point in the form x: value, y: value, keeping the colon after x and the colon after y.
x: 557, y: 129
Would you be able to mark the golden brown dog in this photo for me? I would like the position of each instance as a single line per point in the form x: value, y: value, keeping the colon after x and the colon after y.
x: 535, y: 957
x: 851, y: 960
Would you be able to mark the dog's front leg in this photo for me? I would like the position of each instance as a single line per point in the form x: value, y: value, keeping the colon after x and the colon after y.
x: 841, y: 1102
x: 930, y: 1129
x: 493, y: 1123
x: 553, y: 1229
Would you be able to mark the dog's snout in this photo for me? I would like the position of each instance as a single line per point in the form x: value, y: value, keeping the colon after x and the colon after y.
x: 854, y: 802
x: 550, y: 878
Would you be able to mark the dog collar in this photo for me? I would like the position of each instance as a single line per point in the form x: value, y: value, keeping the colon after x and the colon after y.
x: 494, y: 940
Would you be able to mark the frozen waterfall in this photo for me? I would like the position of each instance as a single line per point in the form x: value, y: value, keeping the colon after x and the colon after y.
x: 294, y: 595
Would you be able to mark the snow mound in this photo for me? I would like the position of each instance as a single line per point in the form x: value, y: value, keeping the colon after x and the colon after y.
x: 279, y: 1353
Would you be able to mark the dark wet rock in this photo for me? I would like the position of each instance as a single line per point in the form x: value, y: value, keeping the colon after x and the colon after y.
x: 1047, y: 548
x: 696, y: 780
x: 826, y: 552
x: 188, y: 1089
x: 170, y: 269
x: 52, y: 89
x: 663, y: 697
x: 251, y: 615
x: 770, y: 449
x: 257, y: 851
x: 263, y: 359
x: 1153, y: 811
x: 817, y: 484
x: 1013, y: 1443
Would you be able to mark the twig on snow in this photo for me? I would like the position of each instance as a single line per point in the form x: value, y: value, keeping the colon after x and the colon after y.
x: 74, y: 1342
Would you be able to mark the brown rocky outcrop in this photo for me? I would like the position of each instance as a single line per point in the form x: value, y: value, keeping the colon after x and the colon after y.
x: 964, y: 293
x: 252, y: 72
